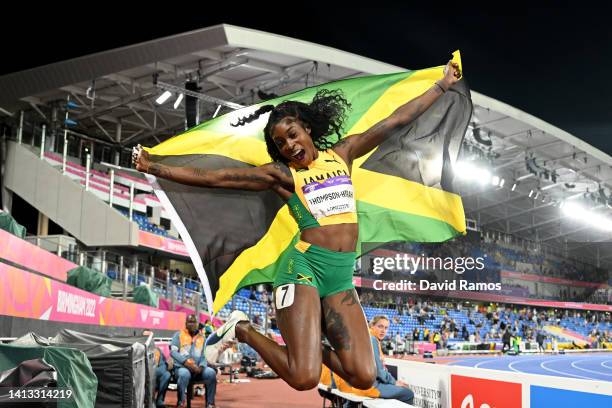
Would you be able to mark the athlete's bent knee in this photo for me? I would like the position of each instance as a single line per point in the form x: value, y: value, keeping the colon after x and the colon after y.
x: 305, y: 381
x: 363, y: 383
x: 364, y: 378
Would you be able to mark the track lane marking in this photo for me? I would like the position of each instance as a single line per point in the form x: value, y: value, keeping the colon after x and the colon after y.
x: 543, y: 365
x: 575, y: 365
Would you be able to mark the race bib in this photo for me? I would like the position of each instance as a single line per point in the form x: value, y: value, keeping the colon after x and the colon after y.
x: 284, y: 296
x: 333, y: 196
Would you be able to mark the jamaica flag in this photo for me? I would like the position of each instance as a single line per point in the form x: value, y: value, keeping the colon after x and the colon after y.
x: 403, y: 188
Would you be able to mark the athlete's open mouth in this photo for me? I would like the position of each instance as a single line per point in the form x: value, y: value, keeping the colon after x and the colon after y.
x: 299, y: 155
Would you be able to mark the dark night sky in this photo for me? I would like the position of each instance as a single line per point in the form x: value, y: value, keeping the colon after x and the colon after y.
x: 554, y: 63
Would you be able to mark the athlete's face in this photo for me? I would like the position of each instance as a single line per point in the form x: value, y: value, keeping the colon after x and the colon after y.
x: 380, y: 328
x: 293, y: 141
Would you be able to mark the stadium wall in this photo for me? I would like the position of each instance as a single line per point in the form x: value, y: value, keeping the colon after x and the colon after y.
x: 28, y: 256
x: 43, y: 301
x: 11, y: 326
x: 441, y: 386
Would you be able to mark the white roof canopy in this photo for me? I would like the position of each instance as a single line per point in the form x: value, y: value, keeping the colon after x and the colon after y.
x: 116, y: 92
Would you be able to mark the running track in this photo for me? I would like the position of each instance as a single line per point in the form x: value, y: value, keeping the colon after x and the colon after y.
x: 584, y: 366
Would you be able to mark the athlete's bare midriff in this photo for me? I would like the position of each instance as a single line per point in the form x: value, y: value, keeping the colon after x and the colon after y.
x: 339, y: 237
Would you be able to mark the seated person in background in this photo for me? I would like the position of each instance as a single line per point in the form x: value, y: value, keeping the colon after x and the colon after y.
x: 162, y: 373
x: 187, y: 350
x: 162, y: 376
x: 387, y: 386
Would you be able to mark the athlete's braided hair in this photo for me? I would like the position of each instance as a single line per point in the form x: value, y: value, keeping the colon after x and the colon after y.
x: 325, y: 115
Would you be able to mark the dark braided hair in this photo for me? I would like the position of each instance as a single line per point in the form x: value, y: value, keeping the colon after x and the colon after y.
x: 325, y: 116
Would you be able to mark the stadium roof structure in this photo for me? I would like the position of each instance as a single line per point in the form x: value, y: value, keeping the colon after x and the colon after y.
x: 541, y: 166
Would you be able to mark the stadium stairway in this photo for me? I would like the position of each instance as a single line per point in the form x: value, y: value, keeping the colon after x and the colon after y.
x: 81, y: 213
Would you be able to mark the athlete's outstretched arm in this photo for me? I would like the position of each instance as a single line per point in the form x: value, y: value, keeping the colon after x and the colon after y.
x: 267, y: 177
x: 354, y: 146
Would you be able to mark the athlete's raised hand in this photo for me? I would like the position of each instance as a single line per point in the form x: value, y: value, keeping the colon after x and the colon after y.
x: 452, y: 74
x: 140, y: 158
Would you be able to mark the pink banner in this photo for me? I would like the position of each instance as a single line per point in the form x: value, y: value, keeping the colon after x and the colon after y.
x: 165, y: 304
x: 550, y: 279
x: 30, y: 256
x: 32, y: 296
x: 155, y: 241
x: 422, y: 347
x: 489, y: 297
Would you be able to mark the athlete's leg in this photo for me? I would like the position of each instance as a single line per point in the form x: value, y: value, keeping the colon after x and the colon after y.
x: 347, y: 331
x: 299, y: 361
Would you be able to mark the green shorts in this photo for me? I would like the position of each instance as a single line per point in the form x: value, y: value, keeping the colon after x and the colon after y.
x: 329, y: 271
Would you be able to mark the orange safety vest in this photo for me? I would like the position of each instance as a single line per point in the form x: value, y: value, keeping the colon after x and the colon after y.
x: 157, y: 356
x: 326, y: 378
x: 186, y: 341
